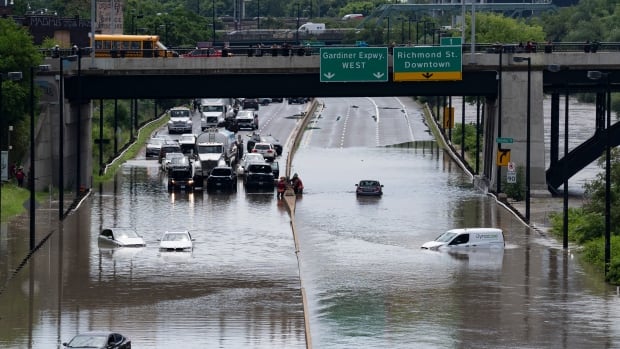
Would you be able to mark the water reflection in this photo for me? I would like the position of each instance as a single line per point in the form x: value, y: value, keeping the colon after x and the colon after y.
x: 370, y: 285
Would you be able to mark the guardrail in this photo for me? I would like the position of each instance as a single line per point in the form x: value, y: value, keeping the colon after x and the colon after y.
x: 301, y: 50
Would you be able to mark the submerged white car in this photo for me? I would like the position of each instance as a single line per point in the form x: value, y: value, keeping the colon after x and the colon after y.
x: 467, y: 238
x: 120, y: 237
x: 176, y: 241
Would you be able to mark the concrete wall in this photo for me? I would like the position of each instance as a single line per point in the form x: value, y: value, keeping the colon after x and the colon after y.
x: 513, y: 124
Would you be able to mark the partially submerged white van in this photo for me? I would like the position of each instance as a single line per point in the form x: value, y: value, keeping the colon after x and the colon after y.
x: 468, y: 238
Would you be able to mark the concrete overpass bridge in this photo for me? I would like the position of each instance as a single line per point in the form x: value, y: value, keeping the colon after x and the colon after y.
x: 496, y: 77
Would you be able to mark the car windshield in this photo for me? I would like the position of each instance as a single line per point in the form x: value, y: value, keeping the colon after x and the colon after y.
x: 156, y: 141
x: 187, y: 138
x: 210, y: 149
x: 171, y: 148
x: 245, y: 114
x: 88, y: 341
x: 445, y: 237
x: 179, y: 113
x: 120, y: 234
x: 262, y: 146
x: 369, y: 184
x: 174, y: 157
x: 260, y: 168
x: 221, y: 172
x: 212, y: 108
x: 175, y: 237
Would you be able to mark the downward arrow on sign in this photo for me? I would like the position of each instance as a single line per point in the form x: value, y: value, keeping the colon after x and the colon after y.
x: 329, y: 75
x: 427, y: 75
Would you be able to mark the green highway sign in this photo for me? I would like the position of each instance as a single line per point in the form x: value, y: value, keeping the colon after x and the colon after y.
x: 503, y: 140
x: 451, y: 41
x: 428, y: 63
x: 354, y: 64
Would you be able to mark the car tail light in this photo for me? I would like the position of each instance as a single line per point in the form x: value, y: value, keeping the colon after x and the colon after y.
x: 254, y: 151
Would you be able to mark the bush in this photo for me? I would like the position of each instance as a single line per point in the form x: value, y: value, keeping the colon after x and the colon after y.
x: 594, y: 253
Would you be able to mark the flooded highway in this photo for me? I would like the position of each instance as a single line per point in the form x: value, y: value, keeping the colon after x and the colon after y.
x: 368, y: 283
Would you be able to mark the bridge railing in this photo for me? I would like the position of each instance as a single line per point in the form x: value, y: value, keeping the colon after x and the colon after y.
x: 306, y: 50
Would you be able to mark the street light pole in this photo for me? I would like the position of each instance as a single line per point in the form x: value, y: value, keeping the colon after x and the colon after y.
x: 213, y: 22
x: 597, y: 75
x: 61, y: 136
x: 528, y: 135
x: 31, y: 172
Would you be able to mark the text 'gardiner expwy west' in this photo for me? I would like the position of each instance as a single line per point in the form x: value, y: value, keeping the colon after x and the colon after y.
x: 354, y: 60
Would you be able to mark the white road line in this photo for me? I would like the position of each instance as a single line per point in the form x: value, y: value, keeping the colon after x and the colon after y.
x: 344, y: 127
x: 406, y: 118
x: 377, y: 138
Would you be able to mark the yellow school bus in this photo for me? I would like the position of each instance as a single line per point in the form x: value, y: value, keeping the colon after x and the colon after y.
x: 109, y: 45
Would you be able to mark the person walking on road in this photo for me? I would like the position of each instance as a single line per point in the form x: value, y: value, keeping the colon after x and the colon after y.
x: 19, y: 175
x: 297, y: 184
x: 281, y: 187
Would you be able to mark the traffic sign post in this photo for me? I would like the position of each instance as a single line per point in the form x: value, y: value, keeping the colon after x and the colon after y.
x: 354, y: 64
x: 503, y: 140
x: 428, y: 63
x: 511, y: 177
x: 503, y: 157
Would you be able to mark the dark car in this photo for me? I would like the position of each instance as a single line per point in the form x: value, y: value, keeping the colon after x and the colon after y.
x: 181, y: 175
x: 369, y: 187
x: 222, y: 177
x: 250, y: 103
x: 259, y: 175
x: 99, y: 339
x: 169, y: 147
x: 275, y: 168
x: 274, y: 141
x: 277, y: 99
x: 297, y: 100
x: 257, y: 138
x: 153, y: 146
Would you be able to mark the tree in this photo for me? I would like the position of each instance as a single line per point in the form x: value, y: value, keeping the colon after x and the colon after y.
x: 491, y: 27
x: 17, y: 53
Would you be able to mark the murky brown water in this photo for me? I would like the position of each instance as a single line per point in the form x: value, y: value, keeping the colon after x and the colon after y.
x: 368, y: 283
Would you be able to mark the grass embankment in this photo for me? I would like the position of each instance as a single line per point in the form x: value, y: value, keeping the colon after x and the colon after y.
x: 15, y: 199
x: 143, y: 135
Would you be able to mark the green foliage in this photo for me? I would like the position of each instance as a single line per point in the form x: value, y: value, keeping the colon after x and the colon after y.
x: 594, y: 253
x: 17, y: 54
x: 491, y: 27
x: 583, y: 226
x: 516, y: 191
x: 363, y: 7
x: 470, y: 136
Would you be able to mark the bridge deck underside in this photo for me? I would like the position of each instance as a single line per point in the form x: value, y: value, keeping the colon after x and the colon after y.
x: 266, y: 85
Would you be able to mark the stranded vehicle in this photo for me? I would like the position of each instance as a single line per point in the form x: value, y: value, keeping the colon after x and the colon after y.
x: 467, y: 238
x: 215, y: 111
x: 181, y: 175
x: 180, y: 120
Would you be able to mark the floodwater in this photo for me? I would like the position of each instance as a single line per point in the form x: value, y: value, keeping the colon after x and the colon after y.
x: 367, y: 282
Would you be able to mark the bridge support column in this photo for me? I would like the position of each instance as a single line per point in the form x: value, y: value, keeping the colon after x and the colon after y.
x: 514, y: 120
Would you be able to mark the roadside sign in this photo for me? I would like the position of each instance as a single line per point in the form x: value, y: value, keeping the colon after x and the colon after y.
x: 428, y: 63
x: 511, y: 177
x: 452, y: 41
x: 503, y: 140
x: 511, y: 166
x: 448, y: 117
x: 503, y: 157
x: 354, y: 64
